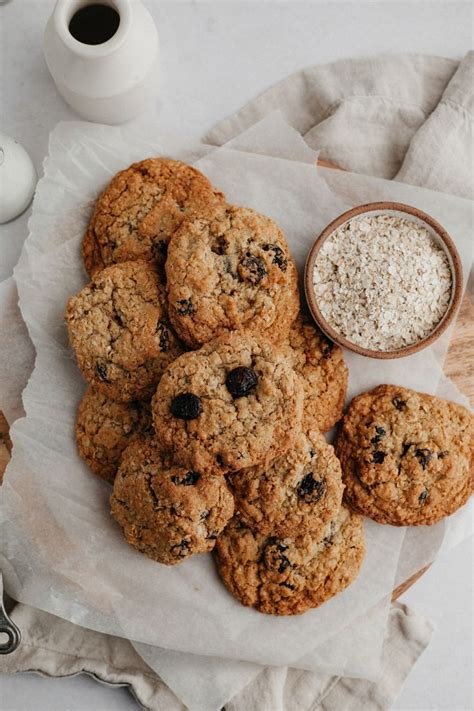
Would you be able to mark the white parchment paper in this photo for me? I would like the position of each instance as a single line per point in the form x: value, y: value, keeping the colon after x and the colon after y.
x: 65, y: 553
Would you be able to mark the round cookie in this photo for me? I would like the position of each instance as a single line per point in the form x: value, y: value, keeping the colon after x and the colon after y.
x: 119, y: 331
x: 232, y: 404
x: 141, y: 208
x: 406, y: 457
x: 104, y: 428
x: 320, y: 362
x: 296, y: 493
x: 288, y: 576
x: 227, y: 271
x: 166, y: 511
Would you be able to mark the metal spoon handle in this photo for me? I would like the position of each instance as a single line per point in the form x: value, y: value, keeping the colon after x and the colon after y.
x: 8, y: 627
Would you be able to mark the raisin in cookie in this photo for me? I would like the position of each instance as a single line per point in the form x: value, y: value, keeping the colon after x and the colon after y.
x: 406, y: 457
x: 298, y: 492
x: 288, y: 576
x: 104, y: 428
x: 227, y: 271
x: 320, y: 363
x: 119, y: 331
x: 166, y: 511
x: 232, y: 404
x: 141, y: 208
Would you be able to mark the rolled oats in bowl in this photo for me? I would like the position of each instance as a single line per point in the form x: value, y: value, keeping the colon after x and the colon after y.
x: 383, y: 280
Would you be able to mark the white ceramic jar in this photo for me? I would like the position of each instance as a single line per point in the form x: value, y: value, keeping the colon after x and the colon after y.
x: 110, y: 82
x: 17, y: 179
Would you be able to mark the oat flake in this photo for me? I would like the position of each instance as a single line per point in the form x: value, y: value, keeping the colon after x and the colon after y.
x: 382, y: 282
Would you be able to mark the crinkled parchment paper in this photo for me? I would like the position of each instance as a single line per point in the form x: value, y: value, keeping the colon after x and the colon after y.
x: 61, y: 551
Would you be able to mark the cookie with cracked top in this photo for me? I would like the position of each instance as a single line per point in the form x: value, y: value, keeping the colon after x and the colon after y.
x: 298, y: 492
x: 230, y: 270
x: 290, y: 575
x: 104, y: 428
x: 232, y: 404
x: 140, y: 209
x: 119, y: 330
x: 166, y: 511
x: 406, y: 456
x: 320, y: 363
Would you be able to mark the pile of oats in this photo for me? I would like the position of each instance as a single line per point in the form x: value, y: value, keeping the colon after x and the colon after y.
x: 382, y: 282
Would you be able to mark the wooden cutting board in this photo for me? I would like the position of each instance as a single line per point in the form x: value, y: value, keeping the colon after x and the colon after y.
x: 459, y: 366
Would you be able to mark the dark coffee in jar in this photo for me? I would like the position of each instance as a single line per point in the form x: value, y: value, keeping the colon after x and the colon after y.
x: 94, y: 24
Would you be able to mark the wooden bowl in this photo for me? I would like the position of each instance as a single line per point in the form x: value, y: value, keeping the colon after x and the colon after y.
x: 442, y: 239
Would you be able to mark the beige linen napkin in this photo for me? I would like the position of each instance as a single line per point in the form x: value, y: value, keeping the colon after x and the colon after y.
x: 57, y: 648
x: 407, y: 117
x: 403, y: 117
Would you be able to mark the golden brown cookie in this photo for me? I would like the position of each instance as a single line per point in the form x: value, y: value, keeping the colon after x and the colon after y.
x: 119, y: 331
x: 104, y: 428
x: 232, y: 404
x: 227, y: 271
x: 320, y: 363
x: 288, y: 576
x: 296, y: 493
x: 166, y: 511
x: 141, y: 208
x: 406, y: 457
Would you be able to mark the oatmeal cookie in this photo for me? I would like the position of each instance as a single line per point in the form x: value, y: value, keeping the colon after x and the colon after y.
x: 166, y: 511
x: 119, y: 331
x: 232, y: 404
x: 320, y: 363
x: 141, y: 208
x: 104, y: 428
x: 227, y: 271
x: 406, y: 457
x: 288, y: 576
x: 296, y: 493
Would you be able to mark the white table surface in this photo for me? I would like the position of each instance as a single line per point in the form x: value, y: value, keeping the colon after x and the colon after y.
x: 216, y: 56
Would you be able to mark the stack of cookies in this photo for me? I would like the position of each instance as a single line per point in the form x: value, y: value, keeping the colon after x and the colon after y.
x: 210, y: 393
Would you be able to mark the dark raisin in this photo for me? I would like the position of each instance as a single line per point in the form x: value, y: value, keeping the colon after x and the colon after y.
x: 310, y: 489
x: 184, y: 307
x: 423, y: 496
x: 379, y: 457
x: 406, y: 447
x: 186, y: 406
x: 399, y: 403
x: 380, y: 433
x: 312, y: 453
x: 424, y: 456
x: 443, y: 454
x: 240, y: 381
x: 274, y: 557
x: 278, y: 255
x: 328, y: 347
x: 101, y: 371
x: 252, y: 269
x: 220, y: 460
x: 164, y: 336
x: 189, y: 479
x: 219, y: 246
x: 180, y: 549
